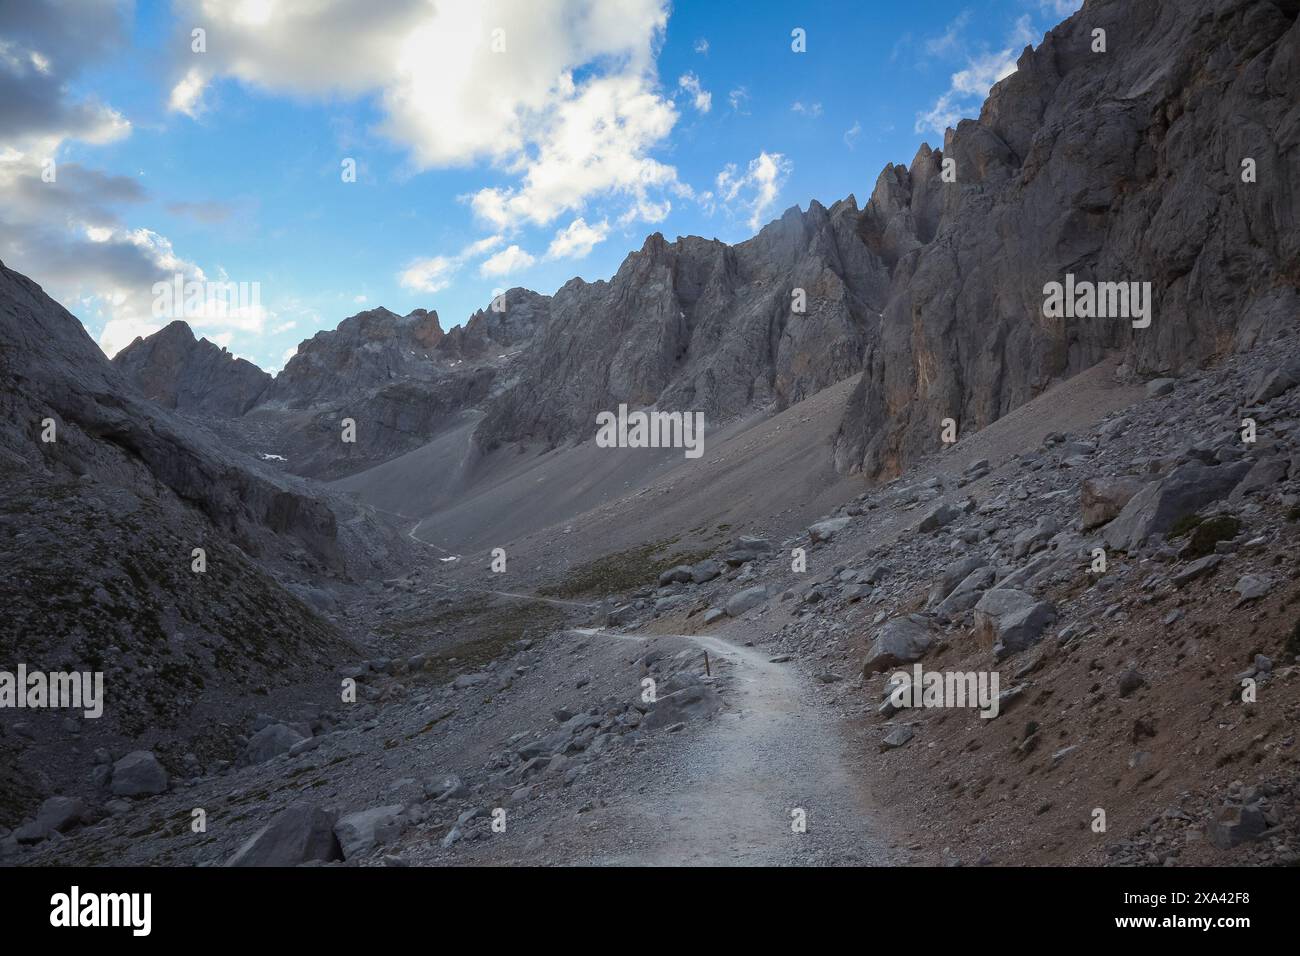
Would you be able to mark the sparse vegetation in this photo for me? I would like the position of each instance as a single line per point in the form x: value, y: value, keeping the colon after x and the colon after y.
x: 622, y: 571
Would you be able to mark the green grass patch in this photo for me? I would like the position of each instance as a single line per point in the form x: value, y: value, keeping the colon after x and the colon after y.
x: 622, y: 571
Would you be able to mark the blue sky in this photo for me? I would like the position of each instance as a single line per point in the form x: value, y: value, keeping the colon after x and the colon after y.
x: 494, y: 145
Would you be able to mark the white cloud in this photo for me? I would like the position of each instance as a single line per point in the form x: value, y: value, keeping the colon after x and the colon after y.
x: 756, y: 189
x: 700, y: 97
x: 595, y: 143
x: 577, y: 239
x: 571, y: 107
x: 509, y: 260
x: 812, y: 110
x: 967, y: 88
x: 852, y: 133
x: 478, y: 248
x: 950, y: 41
x: 1060, y: 8
x: 702, y: 45
x: 187, y: 94
x: 68, y: 233
x: 428, y: 275
x: 435, y: 273
x: 738, y: 98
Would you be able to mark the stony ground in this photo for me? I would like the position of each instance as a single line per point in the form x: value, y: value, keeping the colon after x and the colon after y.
x: 490, y: 727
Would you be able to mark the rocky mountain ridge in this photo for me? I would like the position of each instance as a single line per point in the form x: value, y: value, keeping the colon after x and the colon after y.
x: 178, y: 371
x: 1122, y: 165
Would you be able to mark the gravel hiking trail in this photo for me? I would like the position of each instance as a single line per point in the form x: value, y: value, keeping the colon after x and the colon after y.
x: 727, y: 797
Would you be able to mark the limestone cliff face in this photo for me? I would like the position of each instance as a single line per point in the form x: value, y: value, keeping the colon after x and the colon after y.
x: 700, y: 325
x: 400, y: 378
x: 191, y: 375
x: 366, y: 351
x: 1116, y: 166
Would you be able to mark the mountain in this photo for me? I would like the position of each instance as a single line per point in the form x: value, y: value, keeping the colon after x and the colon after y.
x: 699, y: 325
x: 104, y: 497
x: 1118, y: 166
x: 177, y: 371
x: 1122, y: 165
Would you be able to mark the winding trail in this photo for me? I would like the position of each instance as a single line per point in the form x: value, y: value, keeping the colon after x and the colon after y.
x: 727, y: 797
x: 730, y: 794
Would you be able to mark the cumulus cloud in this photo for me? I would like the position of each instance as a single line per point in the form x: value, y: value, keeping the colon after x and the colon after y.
x: 62, y: 221
x: 701, y: 45
x: 429, y: 275
x: 577, y: 239
x: 435, y: 273
x: 755, y: 190
x: 812, y: 110
x: 738, y: 98
x: 562, y: 96
x: 509, y: 260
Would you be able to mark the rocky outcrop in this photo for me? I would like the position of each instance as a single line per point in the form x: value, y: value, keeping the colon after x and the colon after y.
x: 52, y: 369
x: 1118, y: 166
x: 698, y: 325
x: 366, y: 351
x: 177, y: 371
x: 399, y: 378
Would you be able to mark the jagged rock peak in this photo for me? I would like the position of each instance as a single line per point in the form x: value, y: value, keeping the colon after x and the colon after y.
x: 178, y: 371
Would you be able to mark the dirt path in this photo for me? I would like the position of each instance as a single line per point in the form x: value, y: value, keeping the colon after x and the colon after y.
x: 728, y: 796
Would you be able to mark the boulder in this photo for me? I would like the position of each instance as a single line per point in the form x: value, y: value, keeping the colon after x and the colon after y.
x: 826, y: 530
x: 1101, y: 499
x: 60, y: 813
x: 681, y: 573
x: 1197, y: 569
x: 1159, y: 506
x: 359, y: 833
x: 689, y: 703
x: 1276, y: 382
x: 1252, y: 587
x: 952, y: 575
x: 1236, y: 825
x: 299, y: 834
x: 1035, y: 538
x: 901, y: 640
x: 940, y: 517
x: 745, y: 600
x: 1012, y: 620
x: 270, y: 742
x: 967, y: 593
x: 1022, y: 629
x: 138, y: 774
x: 706, y: 570
x: 897, y: 737
x: 1265, y: 473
